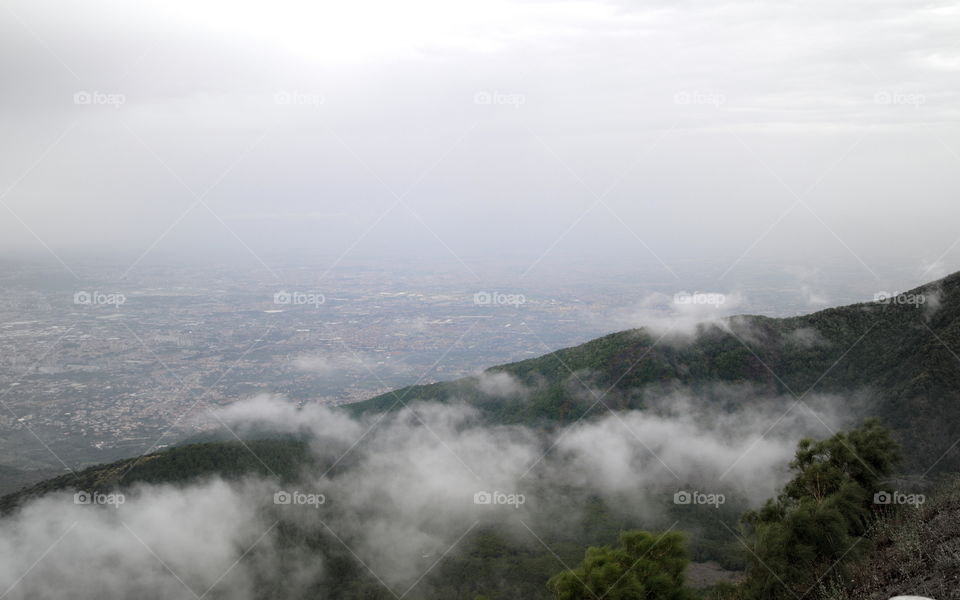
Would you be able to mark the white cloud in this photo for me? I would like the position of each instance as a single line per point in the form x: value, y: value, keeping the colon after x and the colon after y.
x: 403, y: 489
x: 500, y: 384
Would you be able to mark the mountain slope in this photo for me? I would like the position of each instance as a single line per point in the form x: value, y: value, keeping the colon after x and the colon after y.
x: 901, y: 355
x: 230, y: 459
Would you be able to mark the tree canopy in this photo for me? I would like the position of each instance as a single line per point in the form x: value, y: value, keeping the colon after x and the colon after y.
x: 815, y: 525
x: 644, y: 566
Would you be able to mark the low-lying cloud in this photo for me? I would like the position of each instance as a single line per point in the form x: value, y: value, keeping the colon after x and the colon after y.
x: 680, y: 315
x: 400, y: 490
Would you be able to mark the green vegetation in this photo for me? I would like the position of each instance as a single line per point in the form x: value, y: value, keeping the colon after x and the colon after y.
x: 645, y: 566
x: 815, y: 526
x: 806, y: 537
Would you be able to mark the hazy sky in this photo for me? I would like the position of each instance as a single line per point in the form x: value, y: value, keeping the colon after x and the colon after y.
x: 635, y: 131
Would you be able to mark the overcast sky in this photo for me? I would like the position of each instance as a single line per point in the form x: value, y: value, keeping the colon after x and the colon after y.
x: 636, y: 131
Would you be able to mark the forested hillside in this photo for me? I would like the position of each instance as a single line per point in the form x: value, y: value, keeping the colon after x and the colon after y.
x: 902, y: 356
